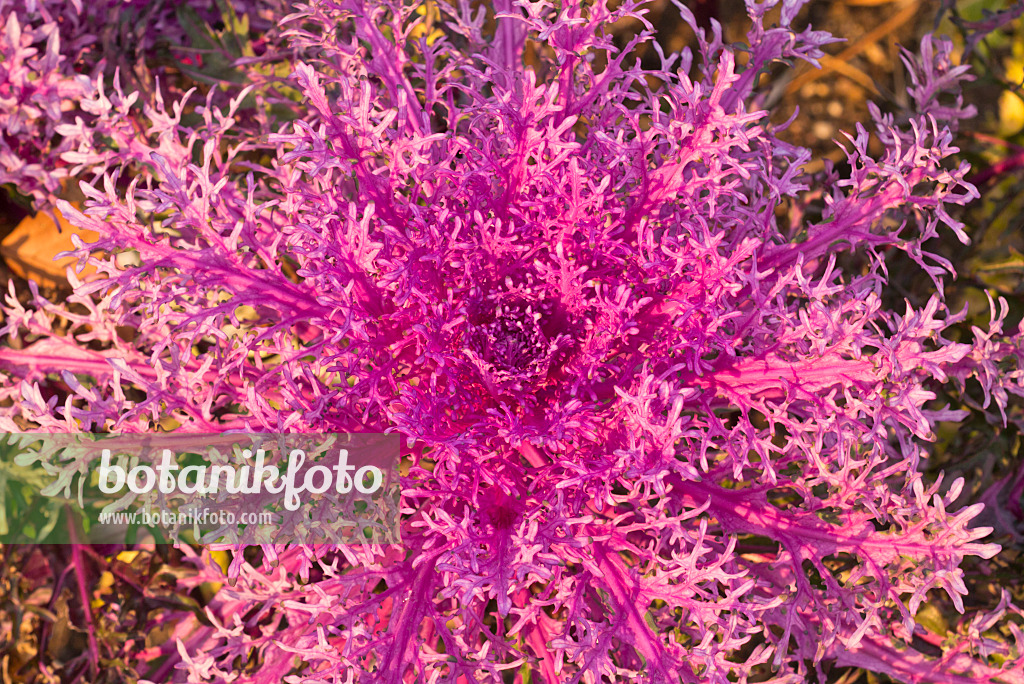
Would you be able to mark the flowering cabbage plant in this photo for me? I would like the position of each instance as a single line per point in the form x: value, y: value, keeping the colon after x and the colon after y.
x: 657, y: 422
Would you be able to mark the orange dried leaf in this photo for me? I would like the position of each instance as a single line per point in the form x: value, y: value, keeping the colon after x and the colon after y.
x: 31, y: 249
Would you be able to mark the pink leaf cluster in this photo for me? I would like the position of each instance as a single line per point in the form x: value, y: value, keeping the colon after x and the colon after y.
x: 655, y: 428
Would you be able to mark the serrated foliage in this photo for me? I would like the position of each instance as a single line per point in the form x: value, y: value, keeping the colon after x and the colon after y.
x: 654, y: 430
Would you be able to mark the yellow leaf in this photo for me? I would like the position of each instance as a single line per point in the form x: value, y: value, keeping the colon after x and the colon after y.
x: 222, y: 558
x: 1011, y: 106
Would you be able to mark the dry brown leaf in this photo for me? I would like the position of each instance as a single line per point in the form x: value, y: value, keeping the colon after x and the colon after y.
x: 30, y: 250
